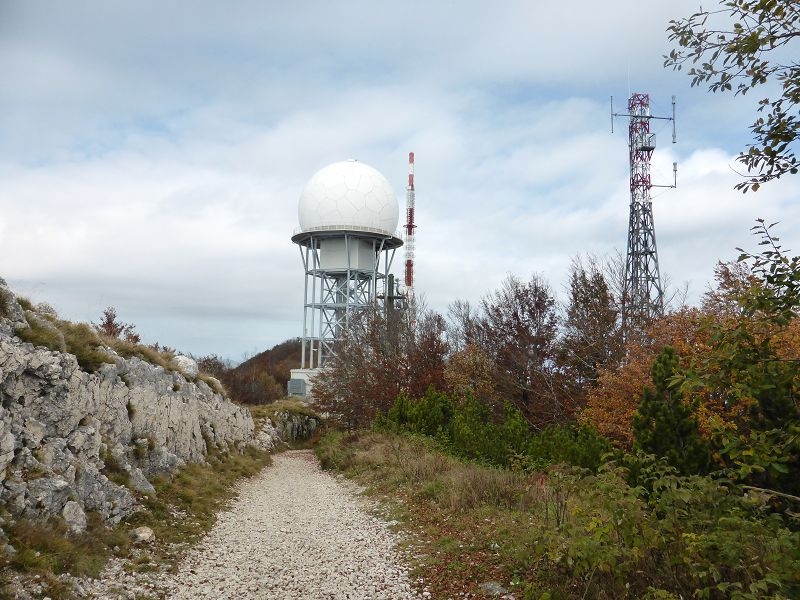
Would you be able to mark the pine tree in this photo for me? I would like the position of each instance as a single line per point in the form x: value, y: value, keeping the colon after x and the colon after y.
x: 665, y: 425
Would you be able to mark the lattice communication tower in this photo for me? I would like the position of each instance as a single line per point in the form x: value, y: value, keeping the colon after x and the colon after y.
x: 643, y: 294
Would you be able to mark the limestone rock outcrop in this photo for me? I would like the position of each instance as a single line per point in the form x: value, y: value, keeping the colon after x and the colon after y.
x: 293, y: 427
x: 284, y: 429
x: 73, y: 442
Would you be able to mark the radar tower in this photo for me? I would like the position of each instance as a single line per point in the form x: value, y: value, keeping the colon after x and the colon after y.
x: 348, y: 215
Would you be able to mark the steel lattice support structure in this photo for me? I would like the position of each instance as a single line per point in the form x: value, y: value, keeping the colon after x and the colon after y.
x: 335, y: 288
x: 643, y: 295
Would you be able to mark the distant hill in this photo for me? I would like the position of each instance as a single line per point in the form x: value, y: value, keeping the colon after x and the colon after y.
x: 259, y: 379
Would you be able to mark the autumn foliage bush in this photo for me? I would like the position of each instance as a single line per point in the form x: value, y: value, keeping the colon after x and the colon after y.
x: 610, y: 406
x: 734, y: 369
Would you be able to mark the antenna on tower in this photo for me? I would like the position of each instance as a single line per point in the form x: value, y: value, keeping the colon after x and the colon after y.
x: 410, y: 227
x: 642, y: 295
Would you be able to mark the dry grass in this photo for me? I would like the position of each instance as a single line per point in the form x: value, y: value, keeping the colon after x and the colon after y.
x: 24, y: 303
x: 459, y: 513
x: 214, y: 383
x: 128, y: 349
x: 469, y: 488
x: 79, y: 339
x: 568, y: 532
x: 45, y: 550
x: 291, y: 405
x: 88, y: 345
x: 5, y: 298
x: 453, y: 484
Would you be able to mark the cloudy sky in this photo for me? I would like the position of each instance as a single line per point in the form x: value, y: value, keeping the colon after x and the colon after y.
x: 152, y: 153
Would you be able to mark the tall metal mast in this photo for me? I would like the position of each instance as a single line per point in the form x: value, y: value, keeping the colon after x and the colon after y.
x: 643, y: 294
x: 410, y: 227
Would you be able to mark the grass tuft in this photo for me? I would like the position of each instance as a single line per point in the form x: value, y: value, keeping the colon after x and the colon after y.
x: 41, y: 333
x: 5, y: 297
x: 148, y: 354
x: 79, y: 339
x: 113, y: 470
x: 196, y: 492
x: 213, y: 383
x: 48, y: 548
x: 25, y: 303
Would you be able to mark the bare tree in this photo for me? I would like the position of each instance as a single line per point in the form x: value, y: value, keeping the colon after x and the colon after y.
x: 110, y: 326
x: 382, y: 353
x: 518, y: 331
x: 591, y: 337
x: 463, y: 327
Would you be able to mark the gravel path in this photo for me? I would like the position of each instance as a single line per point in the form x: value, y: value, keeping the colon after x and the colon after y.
x: 294, y: 532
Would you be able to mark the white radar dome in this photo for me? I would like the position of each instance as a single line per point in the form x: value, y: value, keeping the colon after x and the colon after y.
x: 348, y: 195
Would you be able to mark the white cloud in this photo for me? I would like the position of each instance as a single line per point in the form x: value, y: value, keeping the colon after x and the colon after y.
x: 152, y: 155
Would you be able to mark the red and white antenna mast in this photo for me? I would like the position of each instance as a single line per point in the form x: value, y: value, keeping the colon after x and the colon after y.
x: 410, y: 227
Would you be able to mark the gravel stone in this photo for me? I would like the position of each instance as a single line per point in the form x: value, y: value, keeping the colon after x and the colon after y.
x: 294, y: 532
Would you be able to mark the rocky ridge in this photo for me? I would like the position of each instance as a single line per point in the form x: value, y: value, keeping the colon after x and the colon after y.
x: 73, y: 441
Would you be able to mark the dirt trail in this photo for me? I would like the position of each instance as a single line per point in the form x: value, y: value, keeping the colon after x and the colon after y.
x: 293, y: 532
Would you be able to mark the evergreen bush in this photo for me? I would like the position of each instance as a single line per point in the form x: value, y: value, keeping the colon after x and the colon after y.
x: 665, y: 425
x: 469, y: 429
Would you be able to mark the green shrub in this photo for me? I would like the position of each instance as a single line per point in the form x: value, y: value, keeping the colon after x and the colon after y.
x: 690, y: 536
x: 472, y: 431
x: 665, y: 425
x: 431, y: 414
x: 333, y: 451
x: 581, y: 446
x: 473, y: 434
x: 569, y: 533
x: 397, y: 417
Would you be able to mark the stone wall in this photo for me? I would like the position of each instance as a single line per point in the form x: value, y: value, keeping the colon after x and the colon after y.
x: 72, y: 441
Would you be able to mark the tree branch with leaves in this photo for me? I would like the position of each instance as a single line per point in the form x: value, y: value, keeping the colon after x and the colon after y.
x: 736, y: 48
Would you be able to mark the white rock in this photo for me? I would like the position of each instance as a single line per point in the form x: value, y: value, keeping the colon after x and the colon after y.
x: 74, y: 517
x: 186, y: 364
x: 142, y: 534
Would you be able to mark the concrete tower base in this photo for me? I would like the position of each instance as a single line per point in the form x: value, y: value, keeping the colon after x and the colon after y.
x: 300, y: 383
